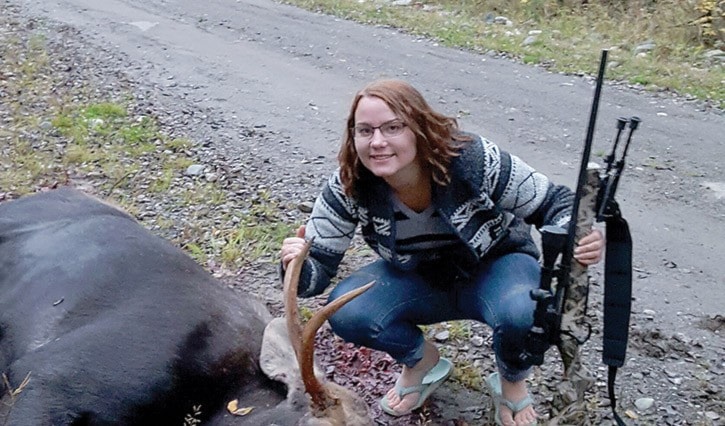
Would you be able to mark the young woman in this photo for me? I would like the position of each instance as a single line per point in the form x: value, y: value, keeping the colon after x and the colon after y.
x: 449, y: 213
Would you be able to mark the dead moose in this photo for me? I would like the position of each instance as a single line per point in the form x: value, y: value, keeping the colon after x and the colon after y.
x: 102, y: 322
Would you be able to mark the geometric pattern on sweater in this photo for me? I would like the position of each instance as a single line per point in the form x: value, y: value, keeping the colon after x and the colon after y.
x: 525, y: 190
x: 331, y: 225
x: 466, y: 211
x: 382, y: 226
x: 488, y: 190
x: 491, y: 166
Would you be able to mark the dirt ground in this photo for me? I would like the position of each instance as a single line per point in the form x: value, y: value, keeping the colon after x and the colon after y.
x: 275, y: 82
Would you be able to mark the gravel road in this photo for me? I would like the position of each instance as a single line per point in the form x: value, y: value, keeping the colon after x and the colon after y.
x: 269, y: 86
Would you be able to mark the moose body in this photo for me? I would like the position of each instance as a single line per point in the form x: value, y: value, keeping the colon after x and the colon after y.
x: 113, y: 325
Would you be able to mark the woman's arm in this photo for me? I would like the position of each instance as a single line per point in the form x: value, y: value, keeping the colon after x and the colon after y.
x: 331, y: 226
x: 520, y: 189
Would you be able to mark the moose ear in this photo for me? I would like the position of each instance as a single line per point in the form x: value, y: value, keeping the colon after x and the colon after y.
x: 277, y: 358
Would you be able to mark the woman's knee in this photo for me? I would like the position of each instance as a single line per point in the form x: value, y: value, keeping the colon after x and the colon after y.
x: 519, y: 316
x: 512, y: 312
x: 354, y: 322
x: 512, y: 329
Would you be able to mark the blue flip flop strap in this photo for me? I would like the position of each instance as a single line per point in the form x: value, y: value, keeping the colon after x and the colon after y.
x: 515, y: 407
x: 494, y: 384
x: 439, y: 371
x: 401, y: 391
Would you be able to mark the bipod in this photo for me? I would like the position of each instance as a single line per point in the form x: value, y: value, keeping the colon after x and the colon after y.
x: 606, y: 205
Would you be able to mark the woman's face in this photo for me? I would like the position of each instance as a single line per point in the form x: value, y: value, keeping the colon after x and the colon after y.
x: 392, y: 157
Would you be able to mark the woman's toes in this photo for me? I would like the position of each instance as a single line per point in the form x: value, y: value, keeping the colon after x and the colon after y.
x: 393, y: 399
x: 526, y: 417
x: 507, y: 418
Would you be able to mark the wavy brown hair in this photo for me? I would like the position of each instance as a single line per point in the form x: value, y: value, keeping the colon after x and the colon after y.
x: 437, y: 136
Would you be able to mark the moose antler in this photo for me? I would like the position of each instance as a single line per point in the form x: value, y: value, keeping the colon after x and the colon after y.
x: 303, y: 340
x: 291, y: 312
x: 315, y: 389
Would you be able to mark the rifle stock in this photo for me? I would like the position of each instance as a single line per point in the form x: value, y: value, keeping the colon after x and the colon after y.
x: 573, y: 310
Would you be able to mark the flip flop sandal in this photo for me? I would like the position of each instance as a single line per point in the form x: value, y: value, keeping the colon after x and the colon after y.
x: 432, y: 380
x: 494, y: 385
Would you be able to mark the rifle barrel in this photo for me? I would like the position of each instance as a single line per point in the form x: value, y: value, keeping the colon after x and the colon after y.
x: 571, y: 236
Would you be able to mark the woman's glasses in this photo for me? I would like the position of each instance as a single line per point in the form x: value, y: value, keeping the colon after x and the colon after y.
x: 388, y: 129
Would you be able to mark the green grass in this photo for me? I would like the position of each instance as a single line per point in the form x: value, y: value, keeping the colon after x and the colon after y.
x: 178, y: 144
x: 196, y: 252
x: 258, y: 234
x: 468, y: 375
x: 51, y: 138
x: 104, y: 111
x: 571, y: 39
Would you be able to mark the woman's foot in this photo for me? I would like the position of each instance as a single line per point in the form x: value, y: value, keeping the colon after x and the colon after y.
x: 516, y: 392
x: 412, y: 377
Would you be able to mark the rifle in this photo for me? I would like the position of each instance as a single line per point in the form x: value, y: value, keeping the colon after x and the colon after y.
x: 561, y: 309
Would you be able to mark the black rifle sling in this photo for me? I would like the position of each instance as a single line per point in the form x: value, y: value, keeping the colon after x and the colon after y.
x: 617, y: 299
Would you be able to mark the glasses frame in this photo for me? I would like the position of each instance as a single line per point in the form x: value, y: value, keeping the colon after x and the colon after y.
x: 381, y: 127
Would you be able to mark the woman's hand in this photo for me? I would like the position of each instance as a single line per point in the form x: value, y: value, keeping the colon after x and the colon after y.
x: 589, y: 249
x: 292, y: 246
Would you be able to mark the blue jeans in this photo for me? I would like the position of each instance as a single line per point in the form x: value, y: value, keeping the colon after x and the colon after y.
x: 386, y: 317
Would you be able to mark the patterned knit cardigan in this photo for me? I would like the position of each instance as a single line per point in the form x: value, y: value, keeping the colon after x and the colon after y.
x: 491, y: 200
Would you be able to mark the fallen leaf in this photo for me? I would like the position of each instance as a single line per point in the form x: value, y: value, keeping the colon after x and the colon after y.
x: 233, y: 407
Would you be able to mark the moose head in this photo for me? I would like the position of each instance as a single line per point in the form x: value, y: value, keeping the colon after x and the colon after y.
x: 329, y: 403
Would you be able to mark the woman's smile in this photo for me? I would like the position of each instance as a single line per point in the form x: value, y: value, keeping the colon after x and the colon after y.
x: 381, y: 157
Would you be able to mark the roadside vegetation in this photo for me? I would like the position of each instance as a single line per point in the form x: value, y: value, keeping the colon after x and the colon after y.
x: 58, y: 129
x: 664, y: 45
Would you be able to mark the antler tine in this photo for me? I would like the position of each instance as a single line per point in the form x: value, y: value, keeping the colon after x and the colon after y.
x: 306, y: 359
x: 291, y: 282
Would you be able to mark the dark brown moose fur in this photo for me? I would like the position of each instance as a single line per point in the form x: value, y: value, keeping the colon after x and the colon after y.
x: 102, y: 322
